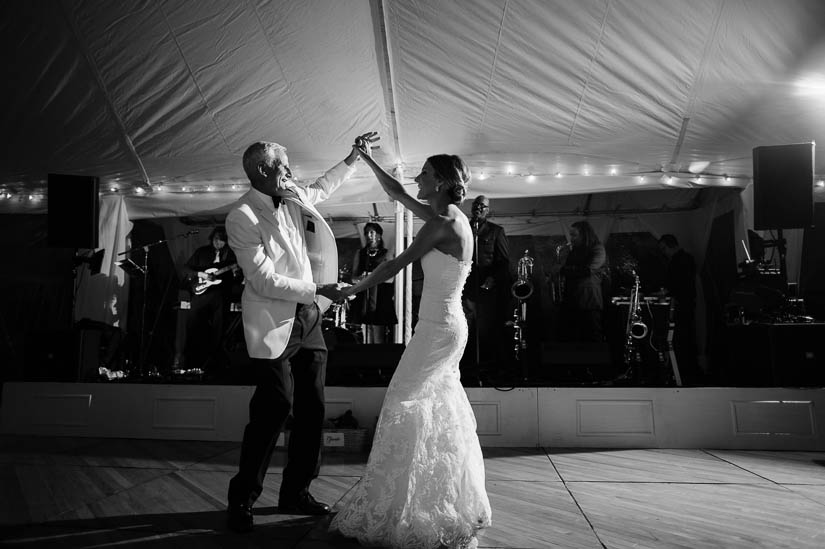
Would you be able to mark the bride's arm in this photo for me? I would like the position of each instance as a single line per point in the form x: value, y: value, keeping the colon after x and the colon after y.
x: 427, y: 238
x: 396, y: 190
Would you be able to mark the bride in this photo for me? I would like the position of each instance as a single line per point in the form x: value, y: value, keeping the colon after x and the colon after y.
x: 424, y: 482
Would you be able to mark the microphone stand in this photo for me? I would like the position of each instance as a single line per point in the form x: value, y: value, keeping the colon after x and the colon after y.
x: 144, y: 272
x: 474, y: 225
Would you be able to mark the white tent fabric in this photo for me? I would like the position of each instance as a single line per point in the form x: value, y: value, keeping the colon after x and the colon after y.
x: 104, y: 296
x: 163, y: 96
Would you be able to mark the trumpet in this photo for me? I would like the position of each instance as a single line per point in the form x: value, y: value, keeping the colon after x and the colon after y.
x: 523, y: 287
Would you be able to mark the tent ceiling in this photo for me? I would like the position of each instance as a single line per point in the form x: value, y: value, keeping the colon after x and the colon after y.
x: 170, y: 92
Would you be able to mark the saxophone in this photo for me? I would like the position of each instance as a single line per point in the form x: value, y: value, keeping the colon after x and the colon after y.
x: 521, y: 289
x: 635, y: 329
x: 557, y: 280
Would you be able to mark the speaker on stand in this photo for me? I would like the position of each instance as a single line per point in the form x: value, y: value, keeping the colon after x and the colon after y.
x: 73, y: 209
x: 783, y: 191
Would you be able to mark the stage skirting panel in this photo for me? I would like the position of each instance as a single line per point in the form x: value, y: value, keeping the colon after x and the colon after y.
x: 572, y: 417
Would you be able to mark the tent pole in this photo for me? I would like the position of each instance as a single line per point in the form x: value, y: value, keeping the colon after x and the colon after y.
x: 399, y: 278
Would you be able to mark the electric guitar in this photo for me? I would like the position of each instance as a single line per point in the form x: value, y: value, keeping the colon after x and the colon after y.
x: 200, y: 285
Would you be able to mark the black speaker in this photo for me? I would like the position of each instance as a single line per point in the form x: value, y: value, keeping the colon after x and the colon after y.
x: 783, y: 186
x: 72, y: 211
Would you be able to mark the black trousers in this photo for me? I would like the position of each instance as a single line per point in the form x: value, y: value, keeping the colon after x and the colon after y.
x: 292, y: 382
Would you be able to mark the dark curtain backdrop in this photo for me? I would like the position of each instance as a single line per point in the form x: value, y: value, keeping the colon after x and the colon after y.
x: 36, y: 288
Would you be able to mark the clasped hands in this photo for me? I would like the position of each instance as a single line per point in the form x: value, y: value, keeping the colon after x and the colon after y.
x: 337, y: 291
x: 364, y: 143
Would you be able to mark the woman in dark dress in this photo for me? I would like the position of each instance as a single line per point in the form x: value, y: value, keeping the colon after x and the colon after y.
x: 583, y: 272
x: 374, y: 307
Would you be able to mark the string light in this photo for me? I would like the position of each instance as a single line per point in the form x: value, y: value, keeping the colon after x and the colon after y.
x: 530, y: 178
x: 558, y: 175
x: 613, y: 171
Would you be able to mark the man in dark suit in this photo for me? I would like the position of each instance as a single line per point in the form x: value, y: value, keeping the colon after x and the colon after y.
x: 486, y: 294
x: 680, y: 284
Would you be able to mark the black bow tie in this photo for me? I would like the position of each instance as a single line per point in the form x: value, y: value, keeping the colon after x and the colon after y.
x: 276, y: 200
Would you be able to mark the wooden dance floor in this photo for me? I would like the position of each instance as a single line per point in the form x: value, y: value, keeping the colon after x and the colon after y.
x: 84, y: 492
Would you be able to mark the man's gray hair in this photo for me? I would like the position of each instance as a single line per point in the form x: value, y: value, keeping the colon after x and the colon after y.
x: 257, y: 152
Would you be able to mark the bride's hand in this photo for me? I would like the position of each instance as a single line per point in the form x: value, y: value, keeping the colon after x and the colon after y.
x: 364, y: 143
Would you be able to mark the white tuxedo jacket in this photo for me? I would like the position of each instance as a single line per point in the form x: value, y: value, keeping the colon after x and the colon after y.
x: 270, y: 264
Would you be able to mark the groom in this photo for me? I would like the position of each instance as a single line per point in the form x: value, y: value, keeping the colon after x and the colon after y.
x: 288, y: 256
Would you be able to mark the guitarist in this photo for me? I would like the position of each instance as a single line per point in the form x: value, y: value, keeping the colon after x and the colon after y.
x: 209, y: 302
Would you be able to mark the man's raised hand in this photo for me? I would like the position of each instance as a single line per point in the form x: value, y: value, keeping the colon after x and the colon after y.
x: 364, y: 143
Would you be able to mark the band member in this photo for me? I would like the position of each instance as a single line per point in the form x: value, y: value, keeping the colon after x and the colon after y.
x: 209, y: 274
x: 583, y: 270
x: 486, y: 293
x: 374, y: 307
x: 680, y: 284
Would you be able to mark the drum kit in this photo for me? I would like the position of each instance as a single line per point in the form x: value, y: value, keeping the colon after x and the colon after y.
x: 337, y: 330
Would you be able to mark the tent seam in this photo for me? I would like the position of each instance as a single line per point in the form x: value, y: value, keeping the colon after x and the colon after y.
x: 586, y: 84
x: 192, y: 77
x: 295, y: 102
x: 104, y: 90
x: 493, y: 66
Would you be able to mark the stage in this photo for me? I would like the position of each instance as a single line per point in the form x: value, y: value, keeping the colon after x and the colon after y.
x: 746, y: 418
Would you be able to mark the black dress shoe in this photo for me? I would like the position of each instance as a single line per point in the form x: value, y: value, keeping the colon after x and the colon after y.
x: 304, y: 505
x: 240, y: 517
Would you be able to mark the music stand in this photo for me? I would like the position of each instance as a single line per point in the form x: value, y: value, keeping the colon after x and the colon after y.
x: 94, y: 261
x: 131, y: 268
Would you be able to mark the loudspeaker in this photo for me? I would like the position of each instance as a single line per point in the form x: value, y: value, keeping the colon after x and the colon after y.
x: 783, y: 186
x: 72, y: 211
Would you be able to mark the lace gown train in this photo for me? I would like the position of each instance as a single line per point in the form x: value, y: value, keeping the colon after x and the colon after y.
x: 424, y: 483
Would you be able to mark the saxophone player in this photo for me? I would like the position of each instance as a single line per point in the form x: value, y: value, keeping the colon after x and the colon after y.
x: 583, y: 271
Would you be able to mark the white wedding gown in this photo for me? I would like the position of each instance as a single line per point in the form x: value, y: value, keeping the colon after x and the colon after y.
x: 424, y: 483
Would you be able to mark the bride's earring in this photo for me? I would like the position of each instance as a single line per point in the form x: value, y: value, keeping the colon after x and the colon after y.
x: 437, y: 188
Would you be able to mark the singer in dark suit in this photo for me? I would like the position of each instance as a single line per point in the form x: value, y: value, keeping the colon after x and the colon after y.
x: 486, y: 294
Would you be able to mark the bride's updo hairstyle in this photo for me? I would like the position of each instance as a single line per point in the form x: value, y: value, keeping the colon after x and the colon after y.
x: 454, y: 174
